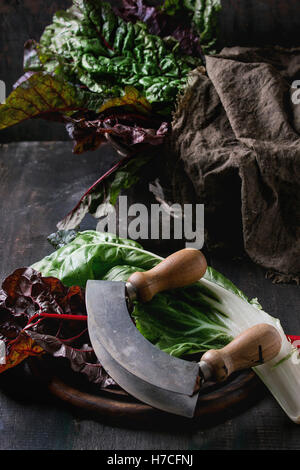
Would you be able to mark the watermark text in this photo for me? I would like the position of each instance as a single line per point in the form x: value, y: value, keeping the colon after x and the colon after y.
x: 139, y: 222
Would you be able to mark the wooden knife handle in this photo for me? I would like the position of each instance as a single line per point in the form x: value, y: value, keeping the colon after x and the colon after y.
x: 254, y: 346
x: 178, y: 270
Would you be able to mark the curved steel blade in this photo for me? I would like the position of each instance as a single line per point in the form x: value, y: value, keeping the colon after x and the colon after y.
x: 110, y: 324
x: 156, y: 397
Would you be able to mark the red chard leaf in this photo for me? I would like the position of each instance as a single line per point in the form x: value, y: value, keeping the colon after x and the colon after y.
x: 88, y: 130
x: 159, y: 22
x: 34, y: 319
x: 134, y: 134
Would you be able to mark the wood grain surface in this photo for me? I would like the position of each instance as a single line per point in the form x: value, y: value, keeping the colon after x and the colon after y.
x: 216, y: 402
x: 39, y: 183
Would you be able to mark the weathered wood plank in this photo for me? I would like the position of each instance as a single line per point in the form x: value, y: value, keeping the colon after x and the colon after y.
x: 279, y: 300
x: 39, y: 183
x: 259, y: 23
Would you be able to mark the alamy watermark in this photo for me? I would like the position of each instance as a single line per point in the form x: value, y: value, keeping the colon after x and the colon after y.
x: 2, y: 353
x: 2, y: 92
x: 296, y: 93
x: 139, y: 222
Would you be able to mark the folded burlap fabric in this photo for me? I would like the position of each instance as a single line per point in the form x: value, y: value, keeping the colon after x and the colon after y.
x: 235, y: 146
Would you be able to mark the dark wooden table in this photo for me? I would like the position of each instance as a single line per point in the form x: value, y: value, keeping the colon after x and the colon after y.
x: 39, y: 183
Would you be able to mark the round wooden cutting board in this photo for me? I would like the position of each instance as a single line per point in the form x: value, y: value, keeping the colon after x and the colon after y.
x: 216, y: 402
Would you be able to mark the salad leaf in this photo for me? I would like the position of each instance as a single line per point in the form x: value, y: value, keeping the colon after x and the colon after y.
x: 90, y: 45
x: 204, y: 17
x: 133, y: 134
x: 184, y: 321
x: 24, y: 295
x: 61, y: 238
x: 169, y: 21
x: 88, y: 131
x: 193, y: 23
x: 114, y: 72
x: 42, y: 95
x: 173, y: 320
x: 190, y: 320
x: 39, y: 94
x: 91, y: 255
x: 20, y: 349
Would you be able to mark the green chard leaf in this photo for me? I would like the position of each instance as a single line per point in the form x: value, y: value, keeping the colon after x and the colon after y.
x: 205, y: 19
x: 90, y: 59
x: 43, y: 95
x: 91, y: 255
x: 92, y: 46
x: 204, y: 16
x: 184, y: 321
x: 39, y: 94
x: 61, y: 238
x: 179, y: 322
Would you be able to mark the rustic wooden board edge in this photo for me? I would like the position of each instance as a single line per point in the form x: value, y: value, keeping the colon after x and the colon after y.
x: 215, y: 404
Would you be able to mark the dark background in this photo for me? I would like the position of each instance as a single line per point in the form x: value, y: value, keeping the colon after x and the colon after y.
x: 242, y: 22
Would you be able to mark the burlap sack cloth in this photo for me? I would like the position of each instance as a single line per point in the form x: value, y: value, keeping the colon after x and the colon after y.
x: 235, y: 147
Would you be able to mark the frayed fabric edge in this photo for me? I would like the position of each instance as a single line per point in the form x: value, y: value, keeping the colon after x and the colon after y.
x: 280, y: 278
